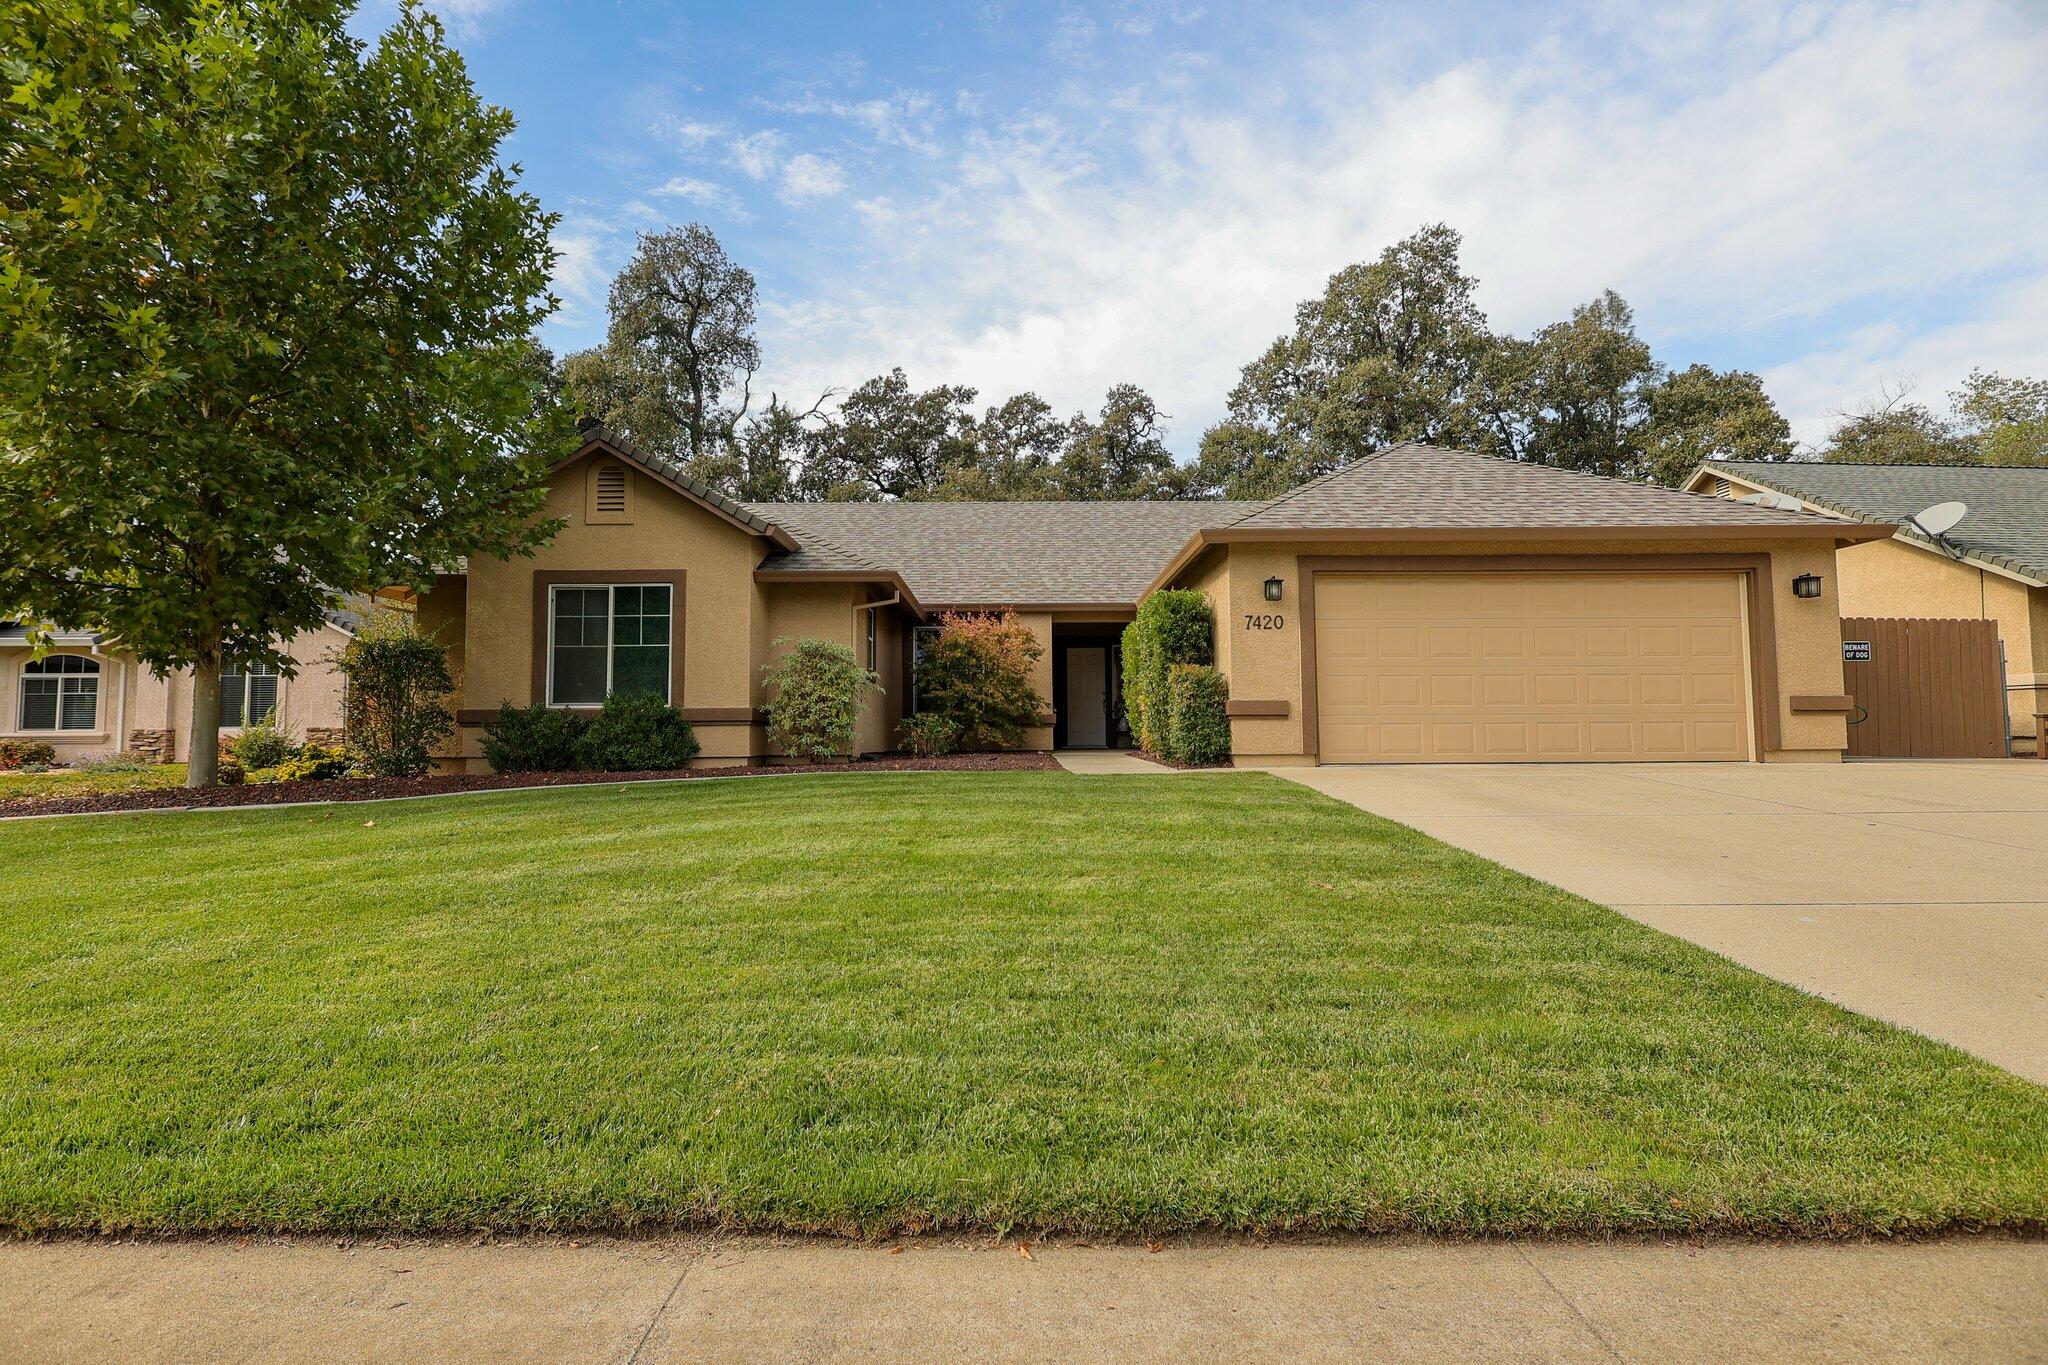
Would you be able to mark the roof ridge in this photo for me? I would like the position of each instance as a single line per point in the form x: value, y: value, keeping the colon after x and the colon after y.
x: 1884, y: 464
x: 1321, y: 479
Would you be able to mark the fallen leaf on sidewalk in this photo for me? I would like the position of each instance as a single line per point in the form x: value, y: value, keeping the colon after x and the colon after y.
x: 1155, y: 1247
x: 895, y: 1251
x: 1024, y: 1250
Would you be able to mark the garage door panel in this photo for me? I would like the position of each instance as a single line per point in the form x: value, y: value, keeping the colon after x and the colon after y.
x: 1464, y: 667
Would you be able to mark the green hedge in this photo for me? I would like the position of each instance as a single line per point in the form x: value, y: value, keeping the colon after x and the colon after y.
x: 1175, y: 626
x: 1197, y: 716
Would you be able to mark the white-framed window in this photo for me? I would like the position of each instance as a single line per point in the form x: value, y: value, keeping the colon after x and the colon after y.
x: 873, y: 653
x: 60, y: 692
x: 248, y: 694
x: 608, y: 637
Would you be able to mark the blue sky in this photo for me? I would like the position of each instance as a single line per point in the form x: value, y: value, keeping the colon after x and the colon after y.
x: 1059, y: 197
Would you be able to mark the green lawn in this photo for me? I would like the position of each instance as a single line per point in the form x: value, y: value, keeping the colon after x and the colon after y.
x: 883, y: 1002
x: 70, y: 782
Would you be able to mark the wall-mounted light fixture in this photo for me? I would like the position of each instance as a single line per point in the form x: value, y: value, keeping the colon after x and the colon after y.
x: 1273, y: 587
x: 1806, y: 585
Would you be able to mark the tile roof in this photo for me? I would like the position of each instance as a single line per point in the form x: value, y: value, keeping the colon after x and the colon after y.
x: 996, y: 553
x: 1418, y: 487
x: 2008, y: 520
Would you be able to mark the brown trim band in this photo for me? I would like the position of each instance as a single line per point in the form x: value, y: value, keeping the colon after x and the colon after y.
x: 1842, y: 533
x: 1755, y: 569
x: 1806, y: 705
x: 1256, y: 708
x: 543, y: 579
x: 696, y: 715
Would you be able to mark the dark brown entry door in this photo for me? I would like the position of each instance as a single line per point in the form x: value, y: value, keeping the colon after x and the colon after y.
x: 1927, y: 688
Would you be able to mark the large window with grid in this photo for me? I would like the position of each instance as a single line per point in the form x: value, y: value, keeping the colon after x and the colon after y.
x: 248, y: 695
x: 606, y: 638
x: 60, y: 692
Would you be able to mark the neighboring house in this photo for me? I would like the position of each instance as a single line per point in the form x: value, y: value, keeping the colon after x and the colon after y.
x: 1419, y: 605
x: 1994, y: 566
x: 88, y: 700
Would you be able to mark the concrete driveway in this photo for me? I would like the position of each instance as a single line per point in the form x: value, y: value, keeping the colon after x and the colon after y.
x: 1913, y: 891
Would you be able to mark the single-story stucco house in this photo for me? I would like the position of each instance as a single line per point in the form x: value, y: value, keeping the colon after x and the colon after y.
x: 1993, y: 565
x: 1421, y: 605
x: 88, y: 700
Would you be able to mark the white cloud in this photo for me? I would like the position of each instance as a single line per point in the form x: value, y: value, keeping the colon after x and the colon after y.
x: 583, y: 270
x: 1746, y: 177
x: 757, y: 154
x: 807, y: 176
x: 696, y: 191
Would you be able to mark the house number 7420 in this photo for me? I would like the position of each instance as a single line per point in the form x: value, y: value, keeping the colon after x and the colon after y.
x: 1255, y: 621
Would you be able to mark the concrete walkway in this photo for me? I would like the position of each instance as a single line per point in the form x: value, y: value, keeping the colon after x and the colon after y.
x: 1913, y: 891
x: 1097, y: 762
x: 759, y: 1300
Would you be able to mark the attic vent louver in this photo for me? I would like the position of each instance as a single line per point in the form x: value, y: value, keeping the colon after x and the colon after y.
x: 611, y: 490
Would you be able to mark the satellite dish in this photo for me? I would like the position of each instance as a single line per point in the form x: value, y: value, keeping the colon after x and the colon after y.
x: 1940, y: 519
x: 1784, y: 502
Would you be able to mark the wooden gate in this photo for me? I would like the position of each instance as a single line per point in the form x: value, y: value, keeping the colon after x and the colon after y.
x: 1927, y: 688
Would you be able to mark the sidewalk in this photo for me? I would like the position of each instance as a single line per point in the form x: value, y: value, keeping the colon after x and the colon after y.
x: 758, y: 1299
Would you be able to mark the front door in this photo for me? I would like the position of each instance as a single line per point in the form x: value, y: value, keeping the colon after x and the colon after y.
x: 1087, y: 697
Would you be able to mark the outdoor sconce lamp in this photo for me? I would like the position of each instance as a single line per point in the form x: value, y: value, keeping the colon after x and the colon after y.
x: 1273, y: 586
x: 1806, y: 585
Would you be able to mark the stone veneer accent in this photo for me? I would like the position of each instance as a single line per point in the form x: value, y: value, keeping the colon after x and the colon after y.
x: 158, y: 746
x: 330, y: 736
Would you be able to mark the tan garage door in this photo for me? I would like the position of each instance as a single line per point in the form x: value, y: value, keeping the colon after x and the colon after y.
x: 1530, y: 667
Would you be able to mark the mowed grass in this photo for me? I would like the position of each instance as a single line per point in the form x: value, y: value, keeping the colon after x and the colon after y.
x: 89, y: 781
x: 876, y: 1003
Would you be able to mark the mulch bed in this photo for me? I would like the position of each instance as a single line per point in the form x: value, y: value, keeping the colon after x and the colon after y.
x: 1151, y: 757
x: 382, y: 789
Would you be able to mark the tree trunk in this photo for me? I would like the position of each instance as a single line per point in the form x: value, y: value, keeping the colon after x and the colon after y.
x: 203, y: 768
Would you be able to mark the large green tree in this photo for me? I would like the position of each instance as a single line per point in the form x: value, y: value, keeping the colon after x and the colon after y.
x: 1389, y: 352
x: 675, y: 373
x: 1121, y: 454
x: 888, y: 440
x: 266, y: 294
x: 1895, y: 431
x: 2006, y: 419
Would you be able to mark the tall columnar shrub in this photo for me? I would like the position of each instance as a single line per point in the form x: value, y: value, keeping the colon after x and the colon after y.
x: 815, y: 692
x: 393, y: 708
x: 1197, y: 715
x: 977, y: 674
x: 1174, y: 626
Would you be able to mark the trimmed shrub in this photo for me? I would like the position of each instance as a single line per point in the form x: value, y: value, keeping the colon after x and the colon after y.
x: 1197, y: 715
x: 929, y: 735
x: 262, y: 745
x: 314, y: 763
x: 815, y: 692
x: 1174, y: 626
x: 114, y: 763
x: 229, y: 773
x: 24, y: 753
x: 392, y: 709
x: 636, y: 732
x: 977, y: 674
x: 533, y: 739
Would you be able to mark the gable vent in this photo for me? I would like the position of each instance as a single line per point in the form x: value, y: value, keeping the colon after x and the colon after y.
x: 611, y: 490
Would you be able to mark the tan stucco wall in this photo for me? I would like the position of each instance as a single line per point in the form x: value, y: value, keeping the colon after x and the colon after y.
x: 1265, y: 665
x: 728, y: 621
x: 1894, y: 578
x: 309, y: 700
x: 106, y: 735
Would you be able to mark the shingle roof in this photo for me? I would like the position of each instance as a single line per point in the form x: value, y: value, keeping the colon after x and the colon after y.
x: 992, y: 553
x: 1419, y: 487
x: 2008, y: 520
